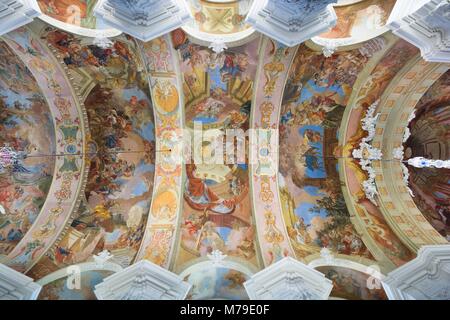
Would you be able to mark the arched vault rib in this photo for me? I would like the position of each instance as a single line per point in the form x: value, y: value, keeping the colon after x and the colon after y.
x: 70, y: 130
x: 165, y: 83
x: 274, y: 65
x: 395, y: 201
x: 368, y: 220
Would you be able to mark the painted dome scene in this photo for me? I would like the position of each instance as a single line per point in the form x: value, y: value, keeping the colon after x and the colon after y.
x: 224, y: 150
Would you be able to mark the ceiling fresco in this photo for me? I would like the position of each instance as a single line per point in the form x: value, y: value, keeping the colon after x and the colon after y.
x: 360, y: 21
x: 26, y: 125
x: 220, y: 17
x: 374, y: 85
x: 70, y: 132
x: 430, y: 136
x: 79, y: 13
x: 314, y: 101
x: 99, y: 124
x: 217, y: 212
x: 119, y: 186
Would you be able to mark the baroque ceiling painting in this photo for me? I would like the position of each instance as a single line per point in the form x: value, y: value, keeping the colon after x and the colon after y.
x: 351, y: 284
x: 217, y: 283
x: 314, y: 101
x: 217, y: 91
x: 224, y: 150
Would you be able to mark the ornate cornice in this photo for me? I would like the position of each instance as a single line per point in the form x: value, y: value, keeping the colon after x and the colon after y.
x: 292, y: 22
x: 288, y: 279
x: 17, y: 13
x: 144, y: 19
x: 425, y: 24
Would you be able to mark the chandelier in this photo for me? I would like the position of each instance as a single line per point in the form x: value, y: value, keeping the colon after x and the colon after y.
x: 420, y: 162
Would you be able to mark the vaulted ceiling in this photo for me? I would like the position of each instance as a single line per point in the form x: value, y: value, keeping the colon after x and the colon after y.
x: 100, y: 108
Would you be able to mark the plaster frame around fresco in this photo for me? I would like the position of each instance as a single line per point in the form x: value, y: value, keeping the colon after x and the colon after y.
x: 398, y: 102
x: 343, y: 44
x: 74, y: 188
x: 384, y: 262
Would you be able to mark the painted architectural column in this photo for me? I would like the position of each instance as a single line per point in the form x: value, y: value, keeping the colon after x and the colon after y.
x: 17, y: 286
x: 143, y: 19
x: 165, y: 83
x: 274, y: 65
x: 292, y: 22
x: 143, y: 281
x: 17, y: 13
x: 425, y: 24
x: 425, y: 278
x: 288, y: 279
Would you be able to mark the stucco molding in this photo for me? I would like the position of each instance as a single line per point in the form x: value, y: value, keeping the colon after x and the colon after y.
x: 425, y: 24
x: 16, y: 286
x: 288, y: 279
x: 145, y: 20
x: 425, y: 278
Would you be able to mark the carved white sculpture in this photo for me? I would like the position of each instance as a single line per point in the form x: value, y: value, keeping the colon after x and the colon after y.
x: 144, y: 19
x: 427, y: 277
x: 425, y: 24
x: 143, y: 281
x: 292, y: 21
x: 288, y: 279
x: 17, y: 13
x: 17, y: 286
x: 366, y: 153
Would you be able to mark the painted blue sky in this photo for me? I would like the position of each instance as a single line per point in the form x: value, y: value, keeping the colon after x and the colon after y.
x: 303, y: 211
